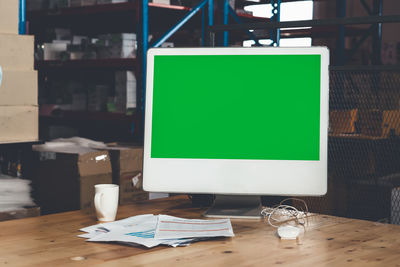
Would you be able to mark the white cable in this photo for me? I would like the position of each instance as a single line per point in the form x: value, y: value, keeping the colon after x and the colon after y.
x: 283, y: 213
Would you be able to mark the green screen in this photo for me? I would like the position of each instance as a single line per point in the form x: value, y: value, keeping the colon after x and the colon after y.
x: 263, y: 107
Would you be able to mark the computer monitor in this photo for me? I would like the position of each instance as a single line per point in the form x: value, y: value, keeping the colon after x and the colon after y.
x: 236, y: 121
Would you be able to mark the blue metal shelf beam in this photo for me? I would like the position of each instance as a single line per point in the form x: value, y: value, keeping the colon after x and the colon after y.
x: 226, y: 19
x: 239, y: 21
x: 180, y: 24
x: 144, y: 39
x: 144, y: 36
x: 309, y: 23
x: 203, y: 27
x: 22, y: 24
x: 276, y: 17
x: 210, y: 12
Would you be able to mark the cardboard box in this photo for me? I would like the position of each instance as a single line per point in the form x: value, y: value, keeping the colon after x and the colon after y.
x: 9, y: 16
x: 343, y: 121
x: 16, y: 52
x: 64, y: 180
x: 125, y: 159
x: 391, y: 123
x: 131, y: 188
x: 19, y: 88
x: 127, y: 166
x: 18, y: 124
x: 370, y: 122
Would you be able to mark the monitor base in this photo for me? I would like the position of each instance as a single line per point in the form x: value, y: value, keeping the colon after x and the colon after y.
x: 242, y: 207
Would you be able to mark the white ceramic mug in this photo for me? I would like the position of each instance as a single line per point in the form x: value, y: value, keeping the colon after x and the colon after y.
x: 106, y: 201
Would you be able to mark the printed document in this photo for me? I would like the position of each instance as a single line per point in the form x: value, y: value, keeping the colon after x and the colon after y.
x: 152, y: 230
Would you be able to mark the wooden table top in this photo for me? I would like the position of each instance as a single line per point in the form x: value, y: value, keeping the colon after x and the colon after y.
x: 327, y: 241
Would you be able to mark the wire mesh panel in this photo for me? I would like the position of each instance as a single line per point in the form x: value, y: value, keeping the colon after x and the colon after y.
x: 395, y: 206
x: 364, y: 146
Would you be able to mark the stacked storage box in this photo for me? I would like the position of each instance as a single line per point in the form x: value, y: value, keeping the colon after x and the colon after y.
x: 18, y: 89
x: 125, y: 90
x: 64, y: 175
x: 118, y: 45
x: 127, y: 166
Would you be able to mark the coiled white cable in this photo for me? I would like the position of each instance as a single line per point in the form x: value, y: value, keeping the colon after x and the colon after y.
x: 284, y: 213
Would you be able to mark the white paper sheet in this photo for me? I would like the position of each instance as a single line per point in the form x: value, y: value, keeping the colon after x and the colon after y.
x: 170, y: 227
x: 142, y: 229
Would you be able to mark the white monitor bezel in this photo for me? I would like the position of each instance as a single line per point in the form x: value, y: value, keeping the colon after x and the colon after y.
x: 237, y: 177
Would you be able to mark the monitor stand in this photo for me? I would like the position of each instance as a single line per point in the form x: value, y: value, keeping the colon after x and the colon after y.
x: 242, y: 207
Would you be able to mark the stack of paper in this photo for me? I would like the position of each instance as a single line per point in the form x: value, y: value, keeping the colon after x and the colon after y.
x: 152, y: 230
x: 14, y: 193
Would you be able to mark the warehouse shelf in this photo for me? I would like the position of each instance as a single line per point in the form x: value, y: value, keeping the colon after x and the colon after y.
x: 395, y: 67
x: 105, y: 126
x: 320, y: 32
x: 97, y: 9
x: 311, y: 23
x: 116, y: 8
x: 96, y: 19
x: 87, y: 64
x: 261, y: 2
x: 140, y: 17
x: 21, y: 144
x: 88, y: 116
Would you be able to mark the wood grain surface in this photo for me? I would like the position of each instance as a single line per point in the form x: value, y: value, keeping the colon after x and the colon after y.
x: 327, y: 241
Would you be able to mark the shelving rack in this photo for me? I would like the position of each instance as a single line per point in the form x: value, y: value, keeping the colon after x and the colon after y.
x: 22, y: 25
x: 375, y: 20
x: 277, y: 28
x: 217, y: 22
x: 96, y: 20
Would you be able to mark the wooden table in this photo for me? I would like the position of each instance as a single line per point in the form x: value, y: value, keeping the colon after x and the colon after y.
x: 328, y: 241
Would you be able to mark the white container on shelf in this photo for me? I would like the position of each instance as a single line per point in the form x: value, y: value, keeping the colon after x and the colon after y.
x: 52, y: 51
x: 125, y: 90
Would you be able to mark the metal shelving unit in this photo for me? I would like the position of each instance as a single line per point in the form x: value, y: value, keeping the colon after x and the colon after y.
x: 203, y: 16
x: 86, y: 64
x: 127, y: 17
x: 94, y: 20
x: 341, y: 23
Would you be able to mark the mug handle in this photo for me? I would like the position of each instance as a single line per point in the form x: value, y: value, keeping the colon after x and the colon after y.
x: 97, y: 203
